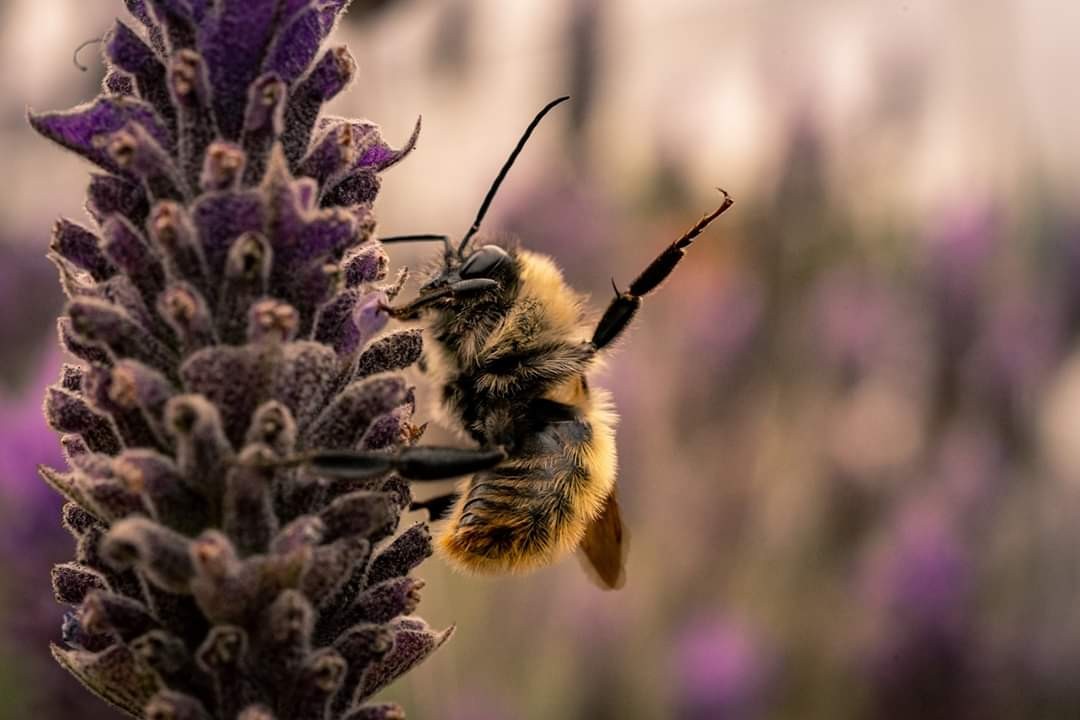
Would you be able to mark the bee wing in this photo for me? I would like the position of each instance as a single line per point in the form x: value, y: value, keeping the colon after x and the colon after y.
x: 603, y: 549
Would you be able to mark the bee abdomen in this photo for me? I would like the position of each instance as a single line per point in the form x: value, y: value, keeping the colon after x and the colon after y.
x: 521, y: 515
x: 537, y: 504
x: 490, y: 534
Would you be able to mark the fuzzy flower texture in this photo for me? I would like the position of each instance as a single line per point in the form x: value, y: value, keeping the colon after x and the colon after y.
x: 224, y: 305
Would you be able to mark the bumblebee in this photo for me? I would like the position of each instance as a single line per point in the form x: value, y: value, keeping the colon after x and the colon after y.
x: 509, y: 348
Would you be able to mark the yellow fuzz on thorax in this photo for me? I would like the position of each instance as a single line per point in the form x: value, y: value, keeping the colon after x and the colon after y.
x: 542, y: 282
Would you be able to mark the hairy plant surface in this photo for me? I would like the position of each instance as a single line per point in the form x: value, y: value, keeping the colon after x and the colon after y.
x: 224, y: 303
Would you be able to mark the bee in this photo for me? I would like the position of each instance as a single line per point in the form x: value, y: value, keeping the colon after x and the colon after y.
x: 509, y: 348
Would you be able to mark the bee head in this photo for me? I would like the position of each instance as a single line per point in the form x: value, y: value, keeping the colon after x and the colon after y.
x: 483, y: 275
x: 486, y: 261
x: 471, y: 268
x: 479, y: 275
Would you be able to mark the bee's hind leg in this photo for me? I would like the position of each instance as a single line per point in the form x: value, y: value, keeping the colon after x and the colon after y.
x: 625, y: 305
x: 438, y: 507
x: 418, y: 463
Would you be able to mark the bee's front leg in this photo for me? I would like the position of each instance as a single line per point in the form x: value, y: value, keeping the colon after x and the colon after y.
x: 412, y: 310
x: 437, y: 507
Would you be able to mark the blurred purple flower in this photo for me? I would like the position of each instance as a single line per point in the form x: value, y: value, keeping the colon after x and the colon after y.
x: 474, y: 704
x: 567, y: 218
x: 727, y: 314
x: 1065, y: 233
x: 855, y: 318
x: 27, y: 441
x: 960, y: 248
x: 27, y: 282
x: 922, y: 578
x: 1020, y: 343
x: 31, y: 542
x: 970, y: 465
x: 959, y: 252
x: 449, y: 54
x: 721, y: 671
x: 917, y: 589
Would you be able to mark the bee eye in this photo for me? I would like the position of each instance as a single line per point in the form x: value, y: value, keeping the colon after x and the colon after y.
x: 483, y: 262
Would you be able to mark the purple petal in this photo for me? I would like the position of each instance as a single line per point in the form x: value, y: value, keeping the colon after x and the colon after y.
x: 109, y: 325
x: 348, y: 321
x: 80, y: 348
x: 174, y: 19
x: 332, y: 153
x: 140, y: 12
x: 128, y: 250
x: 127, y: 51
x: 328, y: 78
x: 357, y: 188
x: 308, y: 289
x: 329, y: 13
x: 199, y: 9
x: 408, y: 550
x: 79, y: 129
x: 191, y: 95
x: 295, y: 45
x: 366, y: 513
x: 233, y: 378
x: 233, y: 45
x: 302, y: 381
x: 342, y: 423
x: 175, y: 238
x: 81, y: 247
x: 331, y: 568
x: 185, y: 310
x: 380, y: 156
x: 109, y: 194
x: 119, y: 83
x: 220, y: 218
x: 385, y: 601
x: 263, y: 122
x: 364, y: 264
x: 114, y: 674
x: 393, y: 352
x: 325, y: 235
x: 135, y: 151
x: 411, y: 646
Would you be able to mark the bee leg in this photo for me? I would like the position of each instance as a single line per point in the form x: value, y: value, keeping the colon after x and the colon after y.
x: 625, y: 305
x: 438, y: 507
x: 418, y: 463
x: 533, y: 370
x: 410, y: 311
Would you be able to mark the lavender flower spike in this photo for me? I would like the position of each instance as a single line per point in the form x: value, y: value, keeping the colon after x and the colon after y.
x: 220, y: 305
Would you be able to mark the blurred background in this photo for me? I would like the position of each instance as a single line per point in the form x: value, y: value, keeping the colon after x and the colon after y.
x: 849, y: 451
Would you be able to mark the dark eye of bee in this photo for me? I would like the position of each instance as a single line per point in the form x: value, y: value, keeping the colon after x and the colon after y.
x: 483, y: 262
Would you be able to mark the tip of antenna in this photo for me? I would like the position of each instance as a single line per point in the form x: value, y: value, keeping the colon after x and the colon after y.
x: 502, y: 173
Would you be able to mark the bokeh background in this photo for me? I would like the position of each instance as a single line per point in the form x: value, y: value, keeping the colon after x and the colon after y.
x: 850, y: 435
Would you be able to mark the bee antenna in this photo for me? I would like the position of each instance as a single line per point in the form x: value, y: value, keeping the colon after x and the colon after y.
x: 506, y: 169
